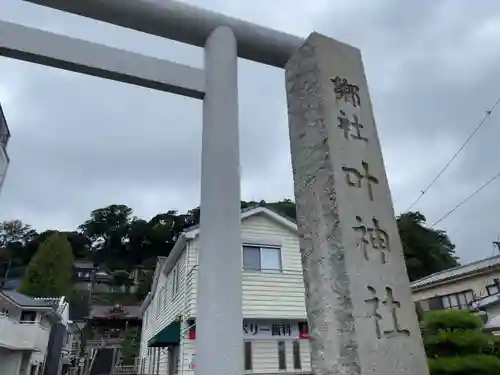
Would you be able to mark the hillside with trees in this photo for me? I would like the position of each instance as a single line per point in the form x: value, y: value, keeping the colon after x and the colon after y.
x: 113, y: 236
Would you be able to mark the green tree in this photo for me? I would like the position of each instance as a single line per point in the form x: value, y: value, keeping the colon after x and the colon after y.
x: 15, y: 236
x: 426, y: 250
x: 122, y: 278
x: 107, y: 230
x: 456, y: 344
x: 130, y: 345
x: 50, y: 271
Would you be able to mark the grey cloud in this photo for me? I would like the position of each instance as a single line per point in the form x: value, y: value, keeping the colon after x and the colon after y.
x: 79, y: 142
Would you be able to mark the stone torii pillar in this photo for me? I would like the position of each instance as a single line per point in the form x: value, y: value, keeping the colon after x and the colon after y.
x: 359, y: 313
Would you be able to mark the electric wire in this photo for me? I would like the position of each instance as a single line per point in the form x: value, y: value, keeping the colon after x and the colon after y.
x: 481, y: 123
x: 466, y: 199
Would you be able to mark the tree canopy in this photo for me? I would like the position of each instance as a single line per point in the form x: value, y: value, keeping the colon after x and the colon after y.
x: 50, y: 271
x: 426, y: 250
x: 113, y: 236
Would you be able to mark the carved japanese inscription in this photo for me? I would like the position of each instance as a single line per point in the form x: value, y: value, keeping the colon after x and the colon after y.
x: 392, y: 329
x: 373, y: 237
x: 352, y: 129
x: 355, y: 178
x: 345, y: 91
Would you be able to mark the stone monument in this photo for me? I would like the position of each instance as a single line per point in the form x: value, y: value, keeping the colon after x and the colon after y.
x: 361, y: 315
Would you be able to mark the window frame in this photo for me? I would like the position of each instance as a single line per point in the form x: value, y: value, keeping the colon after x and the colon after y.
x: 281, y: 355
x: 175, y: 281
x: 248, y: 356
x: 296, y: 355
x: 453, y: 300
x: 260, y: 248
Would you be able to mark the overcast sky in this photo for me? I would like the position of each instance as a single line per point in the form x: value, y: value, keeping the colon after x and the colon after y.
x: 80, y: 143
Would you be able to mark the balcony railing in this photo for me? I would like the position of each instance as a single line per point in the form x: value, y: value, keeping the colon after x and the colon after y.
x: 22, y: 335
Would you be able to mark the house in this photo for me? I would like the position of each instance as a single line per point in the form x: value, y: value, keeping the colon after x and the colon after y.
x: 458, y: 287
x: 100, y: 279
x: 274, y: 315
x: 25, y: 333
x: 89, y: 276
x: 58, y: 358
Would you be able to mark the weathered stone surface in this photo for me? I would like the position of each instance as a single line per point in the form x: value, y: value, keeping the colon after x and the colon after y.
x: 362, y: 319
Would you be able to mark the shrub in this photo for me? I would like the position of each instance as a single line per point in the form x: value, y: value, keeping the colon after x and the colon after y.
x: 456, y: 344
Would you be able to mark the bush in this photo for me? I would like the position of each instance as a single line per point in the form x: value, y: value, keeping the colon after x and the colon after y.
x: 457, y: 345
x: 450, y: 320
x: 469, y: 365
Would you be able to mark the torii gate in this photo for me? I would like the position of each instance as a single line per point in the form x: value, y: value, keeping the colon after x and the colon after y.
x: 350, y: 326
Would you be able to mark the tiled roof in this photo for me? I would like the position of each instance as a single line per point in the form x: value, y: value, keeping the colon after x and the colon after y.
x: 457, y: 272
x: 129, y: 312
x: 24, y: 300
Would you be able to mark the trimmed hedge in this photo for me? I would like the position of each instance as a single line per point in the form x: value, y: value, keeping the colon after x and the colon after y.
x: 456, y: 344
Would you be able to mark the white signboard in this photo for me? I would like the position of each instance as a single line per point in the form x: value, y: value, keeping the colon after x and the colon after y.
x: 270, y: 330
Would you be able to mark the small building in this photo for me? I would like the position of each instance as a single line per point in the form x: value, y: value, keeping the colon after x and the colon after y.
x: 107, y: 327
x: 25, y: 332
x: 90, y: 276
x: 101, y: 280
x: 458, y: 287
x: 274, y: 316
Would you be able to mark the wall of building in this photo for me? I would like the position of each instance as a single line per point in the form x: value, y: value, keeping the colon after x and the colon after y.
x: 265, y: 294
x: 10, y: 361
x: 476, y: 283
x: 168, y: 302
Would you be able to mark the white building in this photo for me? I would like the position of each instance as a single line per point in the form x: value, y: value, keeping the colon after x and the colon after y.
x: 274, y: 326
x: 25, y: 325
x: 474, y: 286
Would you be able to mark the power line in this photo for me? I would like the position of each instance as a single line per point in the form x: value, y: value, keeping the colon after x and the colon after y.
x: 466, y: 199
x: 481, y: 123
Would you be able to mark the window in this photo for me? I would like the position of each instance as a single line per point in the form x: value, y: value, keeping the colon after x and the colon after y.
x: 160, y: 301
x: 175, y: 282
x: 256, y: 258
x: 493, y: 288
x: 281, y: 355
x: 297, y: 365
x: 460, y: 300
x: 28, y: 316
x: 248, y: 356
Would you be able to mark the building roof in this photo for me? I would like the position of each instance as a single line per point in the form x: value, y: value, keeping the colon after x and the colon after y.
x: 457, y: 272
x: 83, y: 264
x: 23, y: 300
x: 261, y: 208
x: 116, y: 312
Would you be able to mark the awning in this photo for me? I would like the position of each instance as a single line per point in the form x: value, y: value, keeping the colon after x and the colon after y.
x: 169, y: 335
